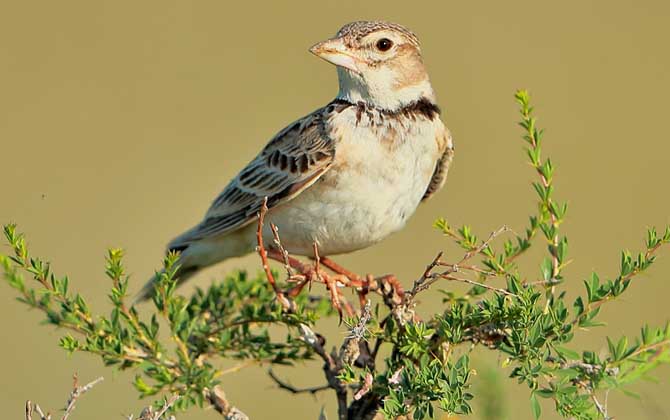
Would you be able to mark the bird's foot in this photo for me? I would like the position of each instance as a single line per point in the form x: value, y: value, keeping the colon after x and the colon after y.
x: 388, y: 285
x: 302, y: 275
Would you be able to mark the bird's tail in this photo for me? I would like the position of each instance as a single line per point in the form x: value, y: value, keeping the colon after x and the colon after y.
x: 194, y: 255
x: 183, y: 273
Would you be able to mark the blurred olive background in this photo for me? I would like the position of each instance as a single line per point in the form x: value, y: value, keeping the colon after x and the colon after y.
x: 120, y: 122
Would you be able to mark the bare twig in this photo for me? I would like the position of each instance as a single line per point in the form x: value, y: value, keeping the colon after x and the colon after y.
x: 264, y: 256
x: 294, y: 390
x: 478, y: 284
x: 77, y: 392
x: 484, y: 244
x: 40, y: 413
x: 427, y: 273
x: 29, y: 410
x: 468, y: 267
x: 429, y: 276
x: 602, y: 408
x: 284, y: 252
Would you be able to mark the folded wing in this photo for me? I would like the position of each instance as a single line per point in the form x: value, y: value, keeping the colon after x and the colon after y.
x: 292, y: 161
x: 442, y: 167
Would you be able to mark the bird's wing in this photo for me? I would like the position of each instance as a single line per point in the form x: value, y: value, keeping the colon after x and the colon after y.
x: 292, y: 161
x: 442, y: 167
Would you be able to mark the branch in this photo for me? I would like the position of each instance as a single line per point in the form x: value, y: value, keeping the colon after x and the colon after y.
x: 429, y: 277
x: 294, y: 390
x: 76, y: 393
x: 551, y: 212
x: 218, y: 399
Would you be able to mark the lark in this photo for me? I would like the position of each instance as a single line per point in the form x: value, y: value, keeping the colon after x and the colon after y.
x: 345, y: 176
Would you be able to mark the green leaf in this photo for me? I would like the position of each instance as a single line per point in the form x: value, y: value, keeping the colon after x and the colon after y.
x: 544, y: 393
x: 566, y: 353
x: 547, y: 269
x: 535, y: 406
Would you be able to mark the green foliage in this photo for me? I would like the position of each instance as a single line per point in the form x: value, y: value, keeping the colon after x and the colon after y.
x: 526, y: 319
x: 424, y: 380
x: 174, y: 347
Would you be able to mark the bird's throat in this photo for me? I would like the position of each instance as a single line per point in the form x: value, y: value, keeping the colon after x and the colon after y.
x: 382, y: 92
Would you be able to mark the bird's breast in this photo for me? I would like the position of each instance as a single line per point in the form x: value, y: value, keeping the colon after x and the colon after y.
x: 377, y: 180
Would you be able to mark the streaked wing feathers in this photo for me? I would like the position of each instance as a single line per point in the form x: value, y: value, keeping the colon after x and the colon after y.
x: 292, y: 161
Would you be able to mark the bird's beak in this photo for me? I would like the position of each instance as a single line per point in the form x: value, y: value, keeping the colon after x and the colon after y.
x: 334, y: 51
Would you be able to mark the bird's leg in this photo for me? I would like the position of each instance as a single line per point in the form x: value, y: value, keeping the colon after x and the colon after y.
x: 336, y: 268
x: 317, y: 266
x: 359, y: 284
x: 331, y: 284
x: 347, y: 305
x: 306, y: 274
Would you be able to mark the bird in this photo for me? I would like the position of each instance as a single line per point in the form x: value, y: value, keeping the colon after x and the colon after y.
x: 345, y: 176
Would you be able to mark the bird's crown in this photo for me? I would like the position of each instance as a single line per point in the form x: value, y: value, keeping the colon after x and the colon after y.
x: 355, y: 31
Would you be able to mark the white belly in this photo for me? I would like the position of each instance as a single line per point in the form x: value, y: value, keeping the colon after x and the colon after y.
x: 369, y: 193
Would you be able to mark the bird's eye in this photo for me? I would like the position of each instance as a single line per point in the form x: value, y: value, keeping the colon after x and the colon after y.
x: 384, y: 44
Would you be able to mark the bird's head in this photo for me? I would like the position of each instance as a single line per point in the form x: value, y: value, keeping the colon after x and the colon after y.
x: 378, y: 63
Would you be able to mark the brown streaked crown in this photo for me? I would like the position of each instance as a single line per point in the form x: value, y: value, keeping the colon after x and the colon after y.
x: 355, y: 31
